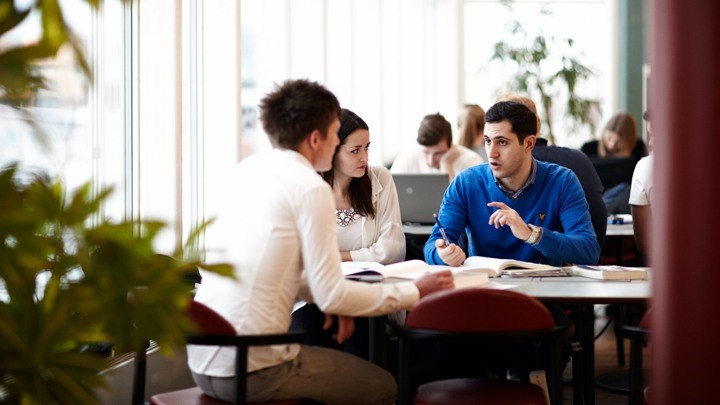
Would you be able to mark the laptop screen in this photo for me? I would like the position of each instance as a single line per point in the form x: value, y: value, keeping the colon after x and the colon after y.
x: 613, y: 171
x: 420, y: 196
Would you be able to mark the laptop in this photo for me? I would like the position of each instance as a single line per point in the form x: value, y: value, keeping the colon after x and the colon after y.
x: 420, y: 196
x: 613, y: 171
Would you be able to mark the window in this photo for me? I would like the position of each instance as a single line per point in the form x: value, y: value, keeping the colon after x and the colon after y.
x: 589, y: 23
x: 390, y: 61
x: 72, y: 115
x: 176, y: 84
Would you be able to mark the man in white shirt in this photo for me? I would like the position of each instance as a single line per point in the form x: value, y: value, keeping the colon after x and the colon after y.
x: 641, y: 195
x: 278, y: 220
x: 435, y: 152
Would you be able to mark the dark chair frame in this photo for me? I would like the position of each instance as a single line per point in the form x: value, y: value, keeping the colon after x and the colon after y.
x: 639, y: 337
x: 553, y: 337
x: 241, y: 344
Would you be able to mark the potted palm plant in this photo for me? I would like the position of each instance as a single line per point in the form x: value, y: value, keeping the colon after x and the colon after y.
x: 68, y: 279
x: 547, y: 74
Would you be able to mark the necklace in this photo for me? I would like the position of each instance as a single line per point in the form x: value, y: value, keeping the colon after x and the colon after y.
x: 346, y: 217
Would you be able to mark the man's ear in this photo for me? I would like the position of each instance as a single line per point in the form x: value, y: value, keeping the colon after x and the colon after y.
x: 530, y: 142
x: 314, y: 140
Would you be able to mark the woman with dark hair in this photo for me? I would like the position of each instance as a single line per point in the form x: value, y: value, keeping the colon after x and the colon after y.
x: 367, y: 210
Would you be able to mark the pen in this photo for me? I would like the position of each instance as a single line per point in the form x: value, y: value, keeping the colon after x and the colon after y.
x: 584, y: 266
x: 442, y: 230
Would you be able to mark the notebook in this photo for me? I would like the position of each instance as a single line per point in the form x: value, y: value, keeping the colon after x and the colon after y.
x: 420, y: 196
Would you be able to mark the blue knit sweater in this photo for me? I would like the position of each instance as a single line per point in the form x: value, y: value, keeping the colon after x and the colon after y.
x: 555, y: 202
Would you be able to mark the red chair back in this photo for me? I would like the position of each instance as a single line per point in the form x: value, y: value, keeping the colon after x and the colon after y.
x: 209, y: 321
x: 479, y: 310
x: 646, y: 320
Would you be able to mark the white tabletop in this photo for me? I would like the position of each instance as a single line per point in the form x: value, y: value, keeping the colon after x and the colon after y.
x: 578, y: 289
x: 619, y: 230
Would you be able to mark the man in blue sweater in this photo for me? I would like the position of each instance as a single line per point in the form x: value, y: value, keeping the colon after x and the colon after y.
x: 514, y: 207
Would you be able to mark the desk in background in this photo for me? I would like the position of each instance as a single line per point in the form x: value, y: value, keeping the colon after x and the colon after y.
x: 612, y: 230
x: 620, y: 247
x: 415, y: 238
x: 422, y: 230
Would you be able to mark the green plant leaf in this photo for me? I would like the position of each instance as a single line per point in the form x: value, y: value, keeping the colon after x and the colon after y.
x: 121, y: 290
x: 10, y: 17
x: 532, y: 58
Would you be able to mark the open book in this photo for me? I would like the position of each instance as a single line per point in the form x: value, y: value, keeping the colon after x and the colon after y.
x: 611, y: 272
x: 507, y: 267
x: 409, y: 270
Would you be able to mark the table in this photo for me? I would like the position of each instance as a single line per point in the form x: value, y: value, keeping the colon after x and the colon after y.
x: 619, y: 243
x: 581, y: 294
x: 613, y: 230
x: 620, y: 230
x: 423, y: 230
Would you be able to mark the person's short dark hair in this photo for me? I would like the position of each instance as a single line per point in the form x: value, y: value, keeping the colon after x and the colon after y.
x: 522, y: 120
x: 433, y: 129
x: 295, y: 109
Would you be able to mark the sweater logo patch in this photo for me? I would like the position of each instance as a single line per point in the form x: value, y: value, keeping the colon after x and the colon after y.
x: 541, y: 216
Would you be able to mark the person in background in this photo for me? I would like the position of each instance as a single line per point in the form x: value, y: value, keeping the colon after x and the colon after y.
x: 368, y: 224
x: 471, y: 124
x: 641, y: 195
x: 436, y: 152
x: 574, y: 160
x: 615, y: 157
x: 619, y: 139
x: 277, y: 228
x: 514, y: 207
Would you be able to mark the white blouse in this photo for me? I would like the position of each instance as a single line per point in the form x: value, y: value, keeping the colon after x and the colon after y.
x: 350, y: 237
x: 383, y: 239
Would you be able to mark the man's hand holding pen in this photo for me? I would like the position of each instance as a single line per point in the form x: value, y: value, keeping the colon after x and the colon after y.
x: 452, y: 255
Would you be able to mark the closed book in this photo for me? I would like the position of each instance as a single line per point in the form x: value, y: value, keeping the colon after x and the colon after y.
x: 611, y: 272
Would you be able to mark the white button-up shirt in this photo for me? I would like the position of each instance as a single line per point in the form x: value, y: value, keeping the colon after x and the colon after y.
x: 278, y: 219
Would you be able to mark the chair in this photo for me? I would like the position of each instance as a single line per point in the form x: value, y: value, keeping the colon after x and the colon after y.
x: 624, y: 315
x: 479, y: 316
x: 216, y: 331
x: 639, y: 336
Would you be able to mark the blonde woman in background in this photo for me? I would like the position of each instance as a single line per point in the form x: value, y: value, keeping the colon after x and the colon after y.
x: 614, y: 157
x: 471, y: 126
x: 618, y: 140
